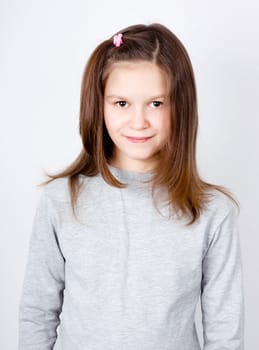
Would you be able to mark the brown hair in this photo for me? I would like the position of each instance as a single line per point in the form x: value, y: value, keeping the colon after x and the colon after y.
x: 177, y: 169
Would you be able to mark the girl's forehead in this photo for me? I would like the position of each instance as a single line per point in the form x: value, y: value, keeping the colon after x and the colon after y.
x: 130, y: 73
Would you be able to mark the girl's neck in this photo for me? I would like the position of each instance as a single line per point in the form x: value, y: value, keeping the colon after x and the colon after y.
x: 130, y: 175
x: 133, y: 165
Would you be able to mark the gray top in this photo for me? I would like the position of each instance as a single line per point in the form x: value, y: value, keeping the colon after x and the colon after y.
x: 124, y: 277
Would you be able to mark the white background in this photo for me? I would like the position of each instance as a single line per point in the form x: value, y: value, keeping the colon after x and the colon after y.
x: 44, y: 46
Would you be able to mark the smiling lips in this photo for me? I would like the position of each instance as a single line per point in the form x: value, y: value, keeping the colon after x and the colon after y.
x: 138, y: 139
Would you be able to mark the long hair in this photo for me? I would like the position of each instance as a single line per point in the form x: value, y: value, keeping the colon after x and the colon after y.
x: 176, y: 169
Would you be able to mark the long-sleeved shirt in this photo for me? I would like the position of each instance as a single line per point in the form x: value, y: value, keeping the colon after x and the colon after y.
x: 126, y: 276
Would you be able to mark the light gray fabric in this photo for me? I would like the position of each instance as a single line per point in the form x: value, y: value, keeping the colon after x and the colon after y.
x: 126, y: 277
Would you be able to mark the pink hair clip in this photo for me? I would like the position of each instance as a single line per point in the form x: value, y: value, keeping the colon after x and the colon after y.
x: 117, y: 40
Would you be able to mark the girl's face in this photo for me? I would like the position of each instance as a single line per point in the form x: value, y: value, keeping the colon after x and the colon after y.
x: 137, y: 113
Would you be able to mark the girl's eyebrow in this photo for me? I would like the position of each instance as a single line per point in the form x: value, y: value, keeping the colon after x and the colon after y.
x: 116, y: 96
x: 125, y: 98
x: 158, y: 96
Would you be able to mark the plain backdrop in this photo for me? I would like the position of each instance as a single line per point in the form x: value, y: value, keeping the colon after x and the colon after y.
x: 44, y: 46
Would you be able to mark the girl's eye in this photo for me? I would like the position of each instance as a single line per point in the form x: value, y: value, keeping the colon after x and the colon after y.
x: 121, y: 103
x: 157, y: 103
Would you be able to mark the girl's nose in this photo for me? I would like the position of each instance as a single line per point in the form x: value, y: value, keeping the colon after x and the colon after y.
x: 139, y: 119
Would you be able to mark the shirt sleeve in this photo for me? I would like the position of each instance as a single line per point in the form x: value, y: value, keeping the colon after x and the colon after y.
x: 43, y: 285
x: 222, y: 296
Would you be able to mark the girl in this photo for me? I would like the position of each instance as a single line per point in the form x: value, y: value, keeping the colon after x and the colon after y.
x: 128, y: 237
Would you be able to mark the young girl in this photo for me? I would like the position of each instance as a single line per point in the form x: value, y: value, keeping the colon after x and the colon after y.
x: 128, y: 237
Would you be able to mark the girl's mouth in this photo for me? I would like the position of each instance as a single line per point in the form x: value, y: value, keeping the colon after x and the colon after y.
x: 138, y: 139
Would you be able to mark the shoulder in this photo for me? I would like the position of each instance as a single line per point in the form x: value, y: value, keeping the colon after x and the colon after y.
x: 56, y: 190
x: 219, y: 206
x: 219, y: 199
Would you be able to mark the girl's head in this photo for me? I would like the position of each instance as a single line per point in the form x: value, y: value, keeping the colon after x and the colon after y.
x: 144, y: 87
